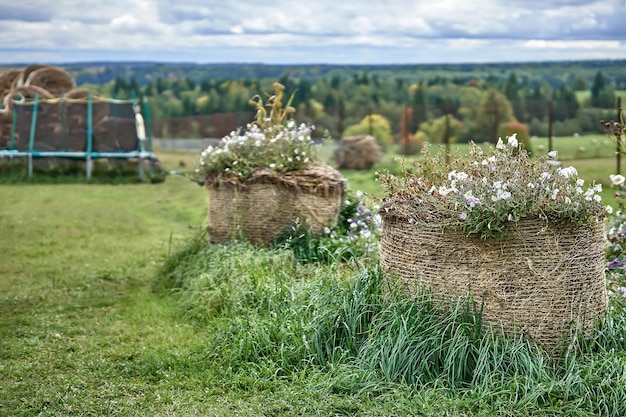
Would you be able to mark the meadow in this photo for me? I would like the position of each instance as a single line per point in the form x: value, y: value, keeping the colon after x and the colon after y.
x: 111, y: 303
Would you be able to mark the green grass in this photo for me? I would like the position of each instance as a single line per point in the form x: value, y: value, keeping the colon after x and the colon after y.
x: 86, y: 328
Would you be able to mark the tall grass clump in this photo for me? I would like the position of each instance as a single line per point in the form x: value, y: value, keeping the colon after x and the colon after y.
x: 271, y: 319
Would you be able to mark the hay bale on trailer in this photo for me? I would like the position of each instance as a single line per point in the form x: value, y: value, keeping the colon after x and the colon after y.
x: 24, y: 73
x: 5, y: 128
x: 113, y: 134
x: 76, y: 107
x: 358, y: 152
x: 7, y: 80
x: 53, y: 79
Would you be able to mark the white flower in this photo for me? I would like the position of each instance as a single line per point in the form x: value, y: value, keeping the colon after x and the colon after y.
x: 272, y: 165
x: 531, y: 185
x: 445, y: 191
x: 580, y: 182
x: 513, y: 140
x: 500, y: 144
x: 568, y: 172
x: 358, y: 194
x: 554, y: 193
x: 597, y: 198
x: 617, y: 179
x: 609, y: 209
x: 552, y: 154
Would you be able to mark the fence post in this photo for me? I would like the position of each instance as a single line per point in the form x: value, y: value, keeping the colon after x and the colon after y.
x: 550, y: 126
x: 446, y: 133
x: 13, y: 126
x: 89, y: 161
x: 31, y: 141
x: 495, y: 122
x: 618, y: 137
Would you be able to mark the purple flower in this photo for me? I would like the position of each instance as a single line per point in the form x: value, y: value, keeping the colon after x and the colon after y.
x: 615, y: 263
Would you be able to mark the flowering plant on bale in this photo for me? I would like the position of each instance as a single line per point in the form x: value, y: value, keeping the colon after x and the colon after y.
x: 272, y: 141
x: 485, y: 192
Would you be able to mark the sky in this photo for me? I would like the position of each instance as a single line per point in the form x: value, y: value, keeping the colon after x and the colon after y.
x: 311, y: 31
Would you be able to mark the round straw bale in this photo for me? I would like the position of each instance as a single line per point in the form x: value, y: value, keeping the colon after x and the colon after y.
x: 76, y: 107
x: 545, y: 281
x: 357, y: 152
x: 27, y: 93
x: 54, y: 79
x: 115, y: 134
x: 24, y: 73
x: 7, y: 79
x: 6, y: 118
x: 267, y: 202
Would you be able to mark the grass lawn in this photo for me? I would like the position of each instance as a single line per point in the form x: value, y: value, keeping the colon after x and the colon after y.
x: 86, y: 329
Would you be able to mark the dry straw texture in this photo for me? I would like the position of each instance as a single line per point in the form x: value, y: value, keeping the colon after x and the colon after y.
x: 544, y: 281
x: 357, y: 152
x: 261, y: 206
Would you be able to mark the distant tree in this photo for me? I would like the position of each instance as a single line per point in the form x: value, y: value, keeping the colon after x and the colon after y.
x: 601, y: 95
x: 419, y: 109
x: 493, y: 111
x: 375, y: 125
x: 580, y: 84
x: 565, y: 104
x: 435, y: 131
x: 537, y: 103
x: 511, y: 91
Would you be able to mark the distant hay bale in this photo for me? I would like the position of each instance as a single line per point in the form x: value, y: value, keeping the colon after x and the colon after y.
x: 358, y: 152
x: 53, y: 79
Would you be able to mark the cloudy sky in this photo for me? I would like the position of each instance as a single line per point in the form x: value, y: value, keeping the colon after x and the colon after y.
x: 311, y: 31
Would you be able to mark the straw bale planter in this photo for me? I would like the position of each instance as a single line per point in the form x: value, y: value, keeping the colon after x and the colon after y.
x: 267, y: 202
x: 544, y: 281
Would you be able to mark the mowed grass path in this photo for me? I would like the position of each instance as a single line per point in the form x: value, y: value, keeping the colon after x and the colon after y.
x: 82, y: 332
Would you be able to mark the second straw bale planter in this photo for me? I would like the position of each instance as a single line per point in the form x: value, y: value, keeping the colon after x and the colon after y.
x: 266, y: 176
x: 520, y: 236
x: 265, y: 203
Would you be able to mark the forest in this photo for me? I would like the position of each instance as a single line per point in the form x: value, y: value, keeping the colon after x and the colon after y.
x: 420, y: 102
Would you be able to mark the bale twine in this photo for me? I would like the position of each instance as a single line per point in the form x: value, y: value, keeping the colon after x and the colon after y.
x: 76, y: 107
x: 357, y: 152
x: 263, y: 205
x: 28, y: 92
x: 546, y: 281
x: 53, y: 79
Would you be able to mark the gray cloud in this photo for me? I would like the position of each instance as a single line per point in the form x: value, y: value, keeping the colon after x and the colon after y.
x: 24, y: 13
x: 323, y: 30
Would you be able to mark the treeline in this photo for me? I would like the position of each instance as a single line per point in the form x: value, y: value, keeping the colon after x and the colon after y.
x: 466, y: 105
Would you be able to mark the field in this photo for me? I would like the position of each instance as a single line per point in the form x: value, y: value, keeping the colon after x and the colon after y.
x: 88, y: 325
